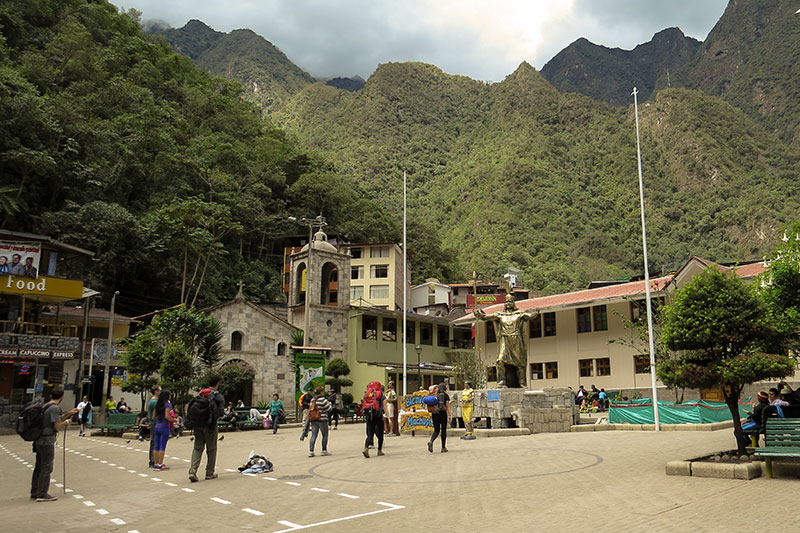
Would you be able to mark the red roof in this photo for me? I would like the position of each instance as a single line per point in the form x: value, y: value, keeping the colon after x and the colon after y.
x: 588, y: 296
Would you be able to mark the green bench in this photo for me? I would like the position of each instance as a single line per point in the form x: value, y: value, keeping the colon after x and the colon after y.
x: 781, y: 440
x: 118, y: 422
x: 244, y: 421
x: 350, y: 412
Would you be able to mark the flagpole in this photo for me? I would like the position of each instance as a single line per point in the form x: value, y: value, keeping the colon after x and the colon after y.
x: 646, y: 269
x: 405, y: 287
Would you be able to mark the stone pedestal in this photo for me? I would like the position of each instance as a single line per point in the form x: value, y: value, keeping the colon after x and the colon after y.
x: 541, y: 411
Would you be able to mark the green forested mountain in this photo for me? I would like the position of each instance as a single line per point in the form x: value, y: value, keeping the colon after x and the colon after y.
x: 516, y: 173
x: 609, y: 74
x: 751, y: 58
x: 268, y: 76
x: 112, y: 142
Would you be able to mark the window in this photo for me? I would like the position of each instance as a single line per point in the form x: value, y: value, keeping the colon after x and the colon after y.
x: 491, y: 373
x: 281, y: 349
x: 410, y: 331
x: 584, y: 320
x: 535, y: 330
x: 355, y: 253
x: 641, y: 364
x: 603, y: 366
x: 357, y: 272
x: 356, y: 293
x: 551, y: 370
x: 390, y: 329
x: 379, y: 251
x: 490, y: 334
x: 378, y: 292
x: 536, y: 371
x: 425, y: 333
x: 586, y: 367
x: 600, y: 316
x: 442, y: 336
x: 549, y: 320
x: 236, y: 341
x: 379, y: 271
x: 369, y: 327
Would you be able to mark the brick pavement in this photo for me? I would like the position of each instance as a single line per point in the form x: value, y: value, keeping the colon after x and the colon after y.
x: 606, y: 481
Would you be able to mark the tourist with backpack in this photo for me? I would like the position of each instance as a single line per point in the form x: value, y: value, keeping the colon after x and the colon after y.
x: 372, y: 409
x: 318, y: 411
x: 202, y: 414
x: 440, y: 414
x: 41, y: 424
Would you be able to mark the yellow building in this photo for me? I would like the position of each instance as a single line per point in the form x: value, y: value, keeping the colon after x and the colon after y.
x: 376, y: 275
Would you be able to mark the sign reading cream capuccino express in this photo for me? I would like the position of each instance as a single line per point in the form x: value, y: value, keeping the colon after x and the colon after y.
x: 41, y: 286
x: 15, y: 355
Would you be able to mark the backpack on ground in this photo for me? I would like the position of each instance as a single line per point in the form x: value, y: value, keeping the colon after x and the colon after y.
x: 313, y: 411
x: 200, y: 413
x: 30, y: 423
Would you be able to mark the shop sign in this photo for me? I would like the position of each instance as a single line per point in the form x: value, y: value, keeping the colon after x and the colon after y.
x: 483, y: 300
x: 414, y: 414
x: 16, y: 355
x: 42, y: 286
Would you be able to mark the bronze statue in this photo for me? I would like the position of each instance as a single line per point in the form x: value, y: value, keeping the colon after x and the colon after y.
x: 512, y: 353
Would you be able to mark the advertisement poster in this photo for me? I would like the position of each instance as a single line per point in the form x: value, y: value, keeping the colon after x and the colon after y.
x: 20, y: 259
x: 118, y: 377
x: 414, y: 414
x: 309, y: 372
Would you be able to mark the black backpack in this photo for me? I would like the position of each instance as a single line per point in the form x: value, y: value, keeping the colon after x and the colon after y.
x: 200, y: 413
x: 30, y: 422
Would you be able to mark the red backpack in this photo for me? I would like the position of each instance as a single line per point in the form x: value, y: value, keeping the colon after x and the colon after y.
x: 371, y: 405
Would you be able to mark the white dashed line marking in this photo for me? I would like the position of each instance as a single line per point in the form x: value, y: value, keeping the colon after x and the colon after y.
x: 230, y: 470
x: 155, y: 479
x: 77, y: 496
x: 101, y: 511
x: 118, y: 521
x: 290, y: 524
x: 348, y: 496
x: 167, y: 483
x: 184, y: 489
x: 87, y: 503
x: 252, y: 511
x: 59, y: 485
x: 320, y: 490
x: 270, y: 478
x: 293, y: 483
x: 220, y: 500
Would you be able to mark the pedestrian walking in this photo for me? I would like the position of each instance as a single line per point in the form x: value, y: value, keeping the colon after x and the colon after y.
x: 441, y: 417
x: 372, y: 408
x: 205, y: 438
x: 151, y: 420
x: 84, y: 408
x: 335, y: 400
x: 305, y: 402
x: 161, y: 429
x: 45, y: 446
x: 275, y: 411
x: 318, y: 411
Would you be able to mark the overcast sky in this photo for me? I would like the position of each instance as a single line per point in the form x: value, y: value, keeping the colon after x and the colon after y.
x: 484, y: 40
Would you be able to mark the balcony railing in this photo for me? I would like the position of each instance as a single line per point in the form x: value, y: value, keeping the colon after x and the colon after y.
x: 38, y: 328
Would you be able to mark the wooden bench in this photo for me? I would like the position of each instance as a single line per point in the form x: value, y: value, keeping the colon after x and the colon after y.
x: 781, y: 440
x: 118, y: 422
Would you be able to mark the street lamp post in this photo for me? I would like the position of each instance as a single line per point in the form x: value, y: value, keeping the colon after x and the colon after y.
x: 418, y: 348
x: 107, y: 376
x: 316, y: 222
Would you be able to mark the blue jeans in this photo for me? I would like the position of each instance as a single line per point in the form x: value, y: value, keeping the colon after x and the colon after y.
x: 316, y: 427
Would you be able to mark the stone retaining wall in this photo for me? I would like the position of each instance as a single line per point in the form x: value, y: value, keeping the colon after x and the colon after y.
x: 540, y: 411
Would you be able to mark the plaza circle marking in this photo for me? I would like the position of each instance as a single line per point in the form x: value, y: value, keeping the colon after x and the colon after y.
x: 597, y: 460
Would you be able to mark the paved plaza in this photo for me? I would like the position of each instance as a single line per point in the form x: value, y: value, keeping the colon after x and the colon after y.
x: 600, y: 481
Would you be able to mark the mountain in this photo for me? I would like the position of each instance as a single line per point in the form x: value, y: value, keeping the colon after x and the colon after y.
x: 751, y: 58
x: 519, y: 174
x: 610, y: 74
x: 268, y: 76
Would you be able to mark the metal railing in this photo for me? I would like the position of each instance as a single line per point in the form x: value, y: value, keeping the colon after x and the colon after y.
x: 38, y: 328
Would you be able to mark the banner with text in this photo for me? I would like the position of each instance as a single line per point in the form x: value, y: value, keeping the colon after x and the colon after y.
x: 20, y: 258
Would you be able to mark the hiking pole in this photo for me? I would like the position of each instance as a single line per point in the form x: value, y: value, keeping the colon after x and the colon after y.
x: 64, y: 460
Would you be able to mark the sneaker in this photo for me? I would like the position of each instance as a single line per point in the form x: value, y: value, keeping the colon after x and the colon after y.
x: 444, y: 450
x: 311, y: 454
x: 162, y: 467
x: 430, y: 446
x: 326, y: 453
x: 211, y: 476
x: 365, y: 453
x: 46, y: 498
x: 140, y: 439
x: 193, y: 478
x: 380, y: 453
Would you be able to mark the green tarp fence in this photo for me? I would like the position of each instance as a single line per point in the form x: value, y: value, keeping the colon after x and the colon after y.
x: 693, y: 412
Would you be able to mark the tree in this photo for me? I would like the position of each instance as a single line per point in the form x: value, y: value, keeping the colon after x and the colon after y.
x: 177, y: 371
x: 467, y: 365
x: 338, y: 368
x: 780, y: 288
x: 142, y: 358
x: 720, y: 324
x: 233, y: 376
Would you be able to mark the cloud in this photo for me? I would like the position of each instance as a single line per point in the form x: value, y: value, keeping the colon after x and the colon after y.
x: 483, y: 40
